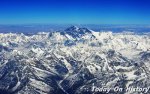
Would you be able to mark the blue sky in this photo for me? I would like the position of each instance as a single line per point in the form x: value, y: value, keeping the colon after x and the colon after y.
x: 75, y: 11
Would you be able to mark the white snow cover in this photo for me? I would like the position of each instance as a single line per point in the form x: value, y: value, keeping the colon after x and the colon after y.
x: 57, y: 54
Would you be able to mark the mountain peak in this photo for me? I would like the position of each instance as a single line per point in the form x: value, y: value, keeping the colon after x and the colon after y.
x: 75, y: 31
x: 72, y: 28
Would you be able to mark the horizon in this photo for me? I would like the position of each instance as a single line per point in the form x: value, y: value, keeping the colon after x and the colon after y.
x: 35, y: 28
x: 75, y: 12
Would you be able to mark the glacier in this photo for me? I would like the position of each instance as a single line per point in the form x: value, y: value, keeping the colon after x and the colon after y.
x: 71, y: 61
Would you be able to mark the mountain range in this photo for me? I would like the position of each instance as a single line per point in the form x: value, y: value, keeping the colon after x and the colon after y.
x: 73, y: 61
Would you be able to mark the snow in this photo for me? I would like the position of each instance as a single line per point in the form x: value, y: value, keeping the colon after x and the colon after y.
x: 16, y: 86
x: 40, y: 85
x: 38, y: 51
x: 90, y: 52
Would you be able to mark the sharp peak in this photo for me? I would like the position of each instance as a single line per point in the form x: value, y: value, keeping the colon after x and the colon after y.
x: 71, y: 28
x: 75, y: 28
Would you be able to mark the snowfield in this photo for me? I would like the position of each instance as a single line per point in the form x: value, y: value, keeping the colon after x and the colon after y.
x: 68, y: 61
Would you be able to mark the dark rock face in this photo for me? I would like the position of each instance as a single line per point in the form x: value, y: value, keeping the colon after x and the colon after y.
x: 76, y: 32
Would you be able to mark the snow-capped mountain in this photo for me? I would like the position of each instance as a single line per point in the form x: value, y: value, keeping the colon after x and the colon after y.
x: 74, y: 61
